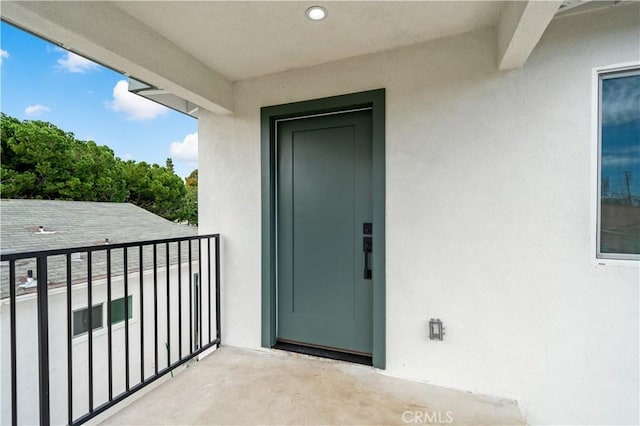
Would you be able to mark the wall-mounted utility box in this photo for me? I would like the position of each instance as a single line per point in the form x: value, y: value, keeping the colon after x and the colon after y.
x: 436, y: 330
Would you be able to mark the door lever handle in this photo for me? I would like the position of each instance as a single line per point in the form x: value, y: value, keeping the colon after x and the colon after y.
x: 367, y: 247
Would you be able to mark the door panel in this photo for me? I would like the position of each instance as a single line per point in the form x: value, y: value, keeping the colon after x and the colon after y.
x: 323, y: 197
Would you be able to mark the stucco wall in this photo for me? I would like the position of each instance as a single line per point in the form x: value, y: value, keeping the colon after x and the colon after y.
x: 488, y: 216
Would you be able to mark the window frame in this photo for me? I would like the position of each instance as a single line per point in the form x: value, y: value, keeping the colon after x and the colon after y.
x: 86, y: 332
x: 597, y: 257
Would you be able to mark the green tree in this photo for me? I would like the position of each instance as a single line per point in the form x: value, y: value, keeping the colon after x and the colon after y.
x: 189, y: 210
x: 39, y: 160
x: 155, y: 188
x: 169, y: 164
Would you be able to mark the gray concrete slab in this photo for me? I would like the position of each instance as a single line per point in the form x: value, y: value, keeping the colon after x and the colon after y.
x: 247, y: 387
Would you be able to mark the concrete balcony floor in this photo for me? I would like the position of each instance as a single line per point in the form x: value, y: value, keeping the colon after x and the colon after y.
x: 236, y: 386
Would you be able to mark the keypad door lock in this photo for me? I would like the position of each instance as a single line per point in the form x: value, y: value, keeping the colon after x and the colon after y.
x: 367, y: 248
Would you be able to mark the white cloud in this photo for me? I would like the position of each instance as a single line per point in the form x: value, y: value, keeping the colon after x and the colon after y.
x: 35, y: 110
x: 187, y: 150
x: 133, y: 106
x: 76, y: 63
x: 3, y: 55
x: 624, y: 156
x: 621, y: 101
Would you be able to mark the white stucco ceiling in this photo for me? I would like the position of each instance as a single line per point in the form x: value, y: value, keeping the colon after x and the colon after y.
x: 247, y: 39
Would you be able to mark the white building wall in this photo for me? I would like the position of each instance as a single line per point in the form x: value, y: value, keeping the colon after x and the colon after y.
x: 488, y: 200
x: 27, y: 345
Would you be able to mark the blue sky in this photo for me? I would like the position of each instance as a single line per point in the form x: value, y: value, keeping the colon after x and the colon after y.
x: 41, y: 81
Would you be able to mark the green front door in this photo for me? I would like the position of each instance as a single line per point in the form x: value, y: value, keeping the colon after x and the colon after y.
x: 324, y: 200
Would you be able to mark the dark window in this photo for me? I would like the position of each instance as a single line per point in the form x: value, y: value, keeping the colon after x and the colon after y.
x: 117, y: 310
x: 619, y: 165
x: 81, y: 320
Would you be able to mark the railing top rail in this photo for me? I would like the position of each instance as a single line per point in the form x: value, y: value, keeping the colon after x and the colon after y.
x: 84, y: 249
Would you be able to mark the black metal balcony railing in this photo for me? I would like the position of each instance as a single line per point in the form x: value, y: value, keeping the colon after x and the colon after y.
x: 190, y: 309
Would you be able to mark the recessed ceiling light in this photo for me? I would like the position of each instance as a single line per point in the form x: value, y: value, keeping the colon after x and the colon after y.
x: 316, y: 13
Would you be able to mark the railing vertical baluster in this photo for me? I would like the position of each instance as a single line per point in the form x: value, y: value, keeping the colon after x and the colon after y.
x: 43, y: 339
x: 209, y: 282
x: 90, y: 329
x: 190, y: 301
x: 180, y: 300
x: 109, y: 329
x: 141, y: 269
x: 96, y: 317
x: 125, y: 271
x: 14, y: 371
x: 155, y: 305
x: 196, y: 308
x: 200, y: 290
x: 69, y: 346
x: 168, y: 307
x: 218, y: 322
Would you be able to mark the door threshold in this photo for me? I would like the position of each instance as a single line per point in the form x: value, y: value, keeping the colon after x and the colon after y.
x: 324, y: 353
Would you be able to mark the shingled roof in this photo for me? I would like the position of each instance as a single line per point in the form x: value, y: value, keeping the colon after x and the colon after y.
x: 34, y: 225
x: 79, y: 223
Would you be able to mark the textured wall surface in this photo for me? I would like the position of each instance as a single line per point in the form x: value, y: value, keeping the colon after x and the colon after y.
x: 488, y: 216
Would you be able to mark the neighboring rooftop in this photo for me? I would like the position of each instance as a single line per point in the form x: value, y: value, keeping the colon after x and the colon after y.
x: 79, y: 223
x: 35, y: 225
